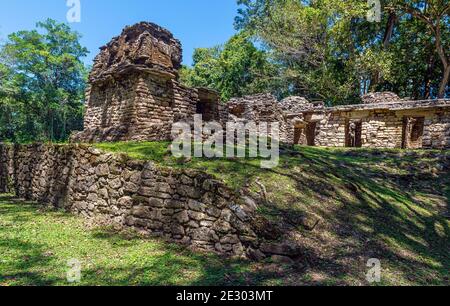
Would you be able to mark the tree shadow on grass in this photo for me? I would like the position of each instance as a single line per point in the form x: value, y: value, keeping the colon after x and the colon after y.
x: 22, y: 260
x: 28, y: 257
x: 371, y: 210
x: 159, y: 263
x: 172, y: 264
x: 396, y: 228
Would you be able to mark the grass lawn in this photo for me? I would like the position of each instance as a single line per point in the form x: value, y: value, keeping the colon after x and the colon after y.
x: 390, y: 205
x: 36, y: 245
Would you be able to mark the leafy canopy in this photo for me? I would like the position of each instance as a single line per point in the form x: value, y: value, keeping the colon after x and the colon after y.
x: 330, y: 50
x: 235, y: 69
x: 42, y: 83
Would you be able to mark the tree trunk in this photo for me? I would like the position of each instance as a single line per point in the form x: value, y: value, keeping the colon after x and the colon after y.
x: 375, y: 81
x: 429, y: 76
x: 444, y: 83
x: 389, y: 29
x: 436, y: 28
x: 445, y: 63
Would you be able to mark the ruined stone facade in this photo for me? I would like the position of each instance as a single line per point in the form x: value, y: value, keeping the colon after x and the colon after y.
x: 375, y: 124
x: 134, y: 94
x: 380, y: 97
x: 262, y: 108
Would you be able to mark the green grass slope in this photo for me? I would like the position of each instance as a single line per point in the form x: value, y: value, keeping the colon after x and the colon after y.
x: 37, y: 244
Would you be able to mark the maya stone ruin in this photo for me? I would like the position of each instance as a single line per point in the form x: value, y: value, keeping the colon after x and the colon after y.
x: 134, y: 94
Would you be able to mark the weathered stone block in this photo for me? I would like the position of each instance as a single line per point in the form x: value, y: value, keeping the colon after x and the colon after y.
x: 189, y: 191
x: 196, y: 206
x: 154, y: 202
x: 222, y: 226
x: 102, y: 170
x: 182, y: 217
x: 197, y: 216
x: 130, y: 187
x: 125, y: 202
x: 115, y: 183
x: 141, y: 212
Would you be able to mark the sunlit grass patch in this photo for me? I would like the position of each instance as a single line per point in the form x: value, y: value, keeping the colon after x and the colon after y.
x: 36, y: 245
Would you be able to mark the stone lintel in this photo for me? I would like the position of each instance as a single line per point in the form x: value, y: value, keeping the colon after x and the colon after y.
x: 392, y: 106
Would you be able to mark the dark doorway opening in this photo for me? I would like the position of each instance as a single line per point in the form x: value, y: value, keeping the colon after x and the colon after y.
x: 206, y: 109
x: 413, y: 128
x: 353, y: 134
x: 311, y: 133
x: 208, y: 104
x: 298, y: 135
x: 237, y: 111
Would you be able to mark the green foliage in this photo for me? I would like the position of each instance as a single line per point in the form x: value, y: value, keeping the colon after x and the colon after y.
x: 42, y: 83
x: 206, y: 69
x: 328, y: 49
x: 415, y: 66
x: 235, y: 69
x: 433, y: 16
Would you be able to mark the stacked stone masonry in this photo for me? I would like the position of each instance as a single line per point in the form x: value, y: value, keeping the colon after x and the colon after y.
x: 398, y: 124
x: 257, y: 109
x: 134, y: 94
x: 391, y: 124
x: 380, y: 97
x: 183, y: 206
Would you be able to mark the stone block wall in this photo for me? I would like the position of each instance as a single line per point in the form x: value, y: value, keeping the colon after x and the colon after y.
x: 330, y: 131
x: 183, y: 206
x: 437, y: 131
x: 140, y: 107
x: 262, y: 108
x: 6, y: 169
x: 382, y: 130
x: 295, y: 104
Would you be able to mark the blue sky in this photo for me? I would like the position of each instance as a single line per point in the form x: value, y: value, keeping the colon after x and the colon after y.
x: 197, y: 23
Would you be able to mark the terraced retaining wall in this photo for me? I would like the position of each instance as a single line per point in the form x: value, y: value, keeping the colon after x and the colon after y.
x: 184, y: 206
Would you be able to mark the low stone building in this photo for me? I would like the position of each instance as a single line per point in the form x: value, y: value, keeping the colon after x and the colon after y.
x: 134, y: 94
x: 391, y: 124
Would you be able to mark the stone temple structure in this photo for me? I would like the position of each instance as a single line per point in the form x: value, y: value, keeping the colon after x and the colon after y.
x: 134, y: 94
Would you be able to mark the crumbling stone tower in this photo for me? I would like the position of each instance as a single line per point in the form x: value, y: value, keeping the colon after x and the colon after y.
x: 133, y: 92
